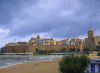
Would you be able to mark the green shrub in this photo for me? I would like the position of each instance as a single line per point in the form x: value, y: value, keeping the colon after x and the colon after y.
x: 74, y: 64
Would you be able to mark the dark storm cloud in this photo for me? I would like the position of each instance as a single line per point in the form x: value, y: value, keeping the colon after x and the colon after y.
x: 10, y: 8
x: 59, y: 18
x: 6, y: 9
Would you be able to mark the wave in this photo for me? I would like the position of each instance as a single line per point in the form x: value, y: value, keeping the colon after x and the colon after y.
x: 13, y: 62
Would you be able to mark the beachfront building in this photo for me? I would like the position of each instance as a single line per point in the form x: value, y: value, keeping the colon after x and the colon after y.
x: 51, y: 45
x: 94, y: 66
x: 65, y: 42
x: 45, y: 45
x: 90, y: 41
x: 19, y: 47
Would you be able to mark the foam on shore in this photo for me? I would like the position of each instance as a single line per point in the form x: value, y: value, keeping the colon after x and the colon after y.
x: 31, y: 60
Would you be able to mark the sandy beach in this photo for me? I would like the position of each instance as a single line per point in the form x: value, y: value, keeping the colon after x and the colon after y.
x: 39, y: 67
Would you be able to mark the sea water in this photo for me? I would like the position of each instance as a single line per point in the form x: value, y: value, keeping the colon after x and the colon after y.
x: 11, y: 60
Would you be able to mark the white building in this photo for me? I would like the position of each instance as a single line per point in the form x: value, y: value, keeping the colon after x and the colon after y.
x: 94, y: 66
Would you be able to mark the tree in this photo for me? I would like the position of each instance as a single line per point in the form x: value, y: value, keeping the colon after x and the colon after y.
x: 73, y: 64
x: 2, y: 50
x: 72, y: 50
x: 98, y: 47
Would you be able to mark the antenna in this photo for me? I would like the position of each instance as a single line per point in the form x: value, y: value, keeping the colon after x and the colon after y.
x: 14, y: 40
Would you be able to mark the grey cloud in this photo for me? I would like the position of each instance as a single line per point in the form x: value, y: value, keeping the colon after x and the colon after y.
x: 60, y: 18
x: 10, y: 8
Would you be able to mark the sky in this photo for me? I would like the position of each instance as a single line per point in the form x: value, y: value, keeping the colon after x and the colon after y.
x: 23, y: 19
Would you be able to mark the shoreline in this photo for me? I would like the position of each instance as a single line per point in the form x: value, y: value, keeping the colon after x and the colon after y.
x: 35, y: 67
x: 33, y: 59
x: 20, y: 63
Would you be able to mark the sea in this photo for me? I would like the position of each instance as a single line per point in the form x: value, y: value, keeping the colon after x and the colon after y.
x: 11, y: 60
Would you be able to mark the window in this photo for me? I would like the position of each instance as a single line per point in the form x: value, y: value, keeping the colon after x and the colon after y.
x: 99, y: 68
x: 92, y: 67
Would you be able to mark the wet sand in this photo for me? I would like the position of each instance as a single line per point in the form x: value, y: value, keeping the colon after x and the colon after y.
x: 39, y: 67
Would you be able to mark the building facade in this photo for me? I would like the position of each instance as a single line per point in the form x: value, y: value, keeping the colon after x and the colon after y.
x: 45, y: 45
x: 90, y: 41
x: 51, y: 45
x: 19, y: 47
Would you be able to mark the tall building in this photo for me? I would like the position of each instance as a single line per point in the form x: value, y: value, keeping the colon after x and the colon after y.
x: 90, y: 41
